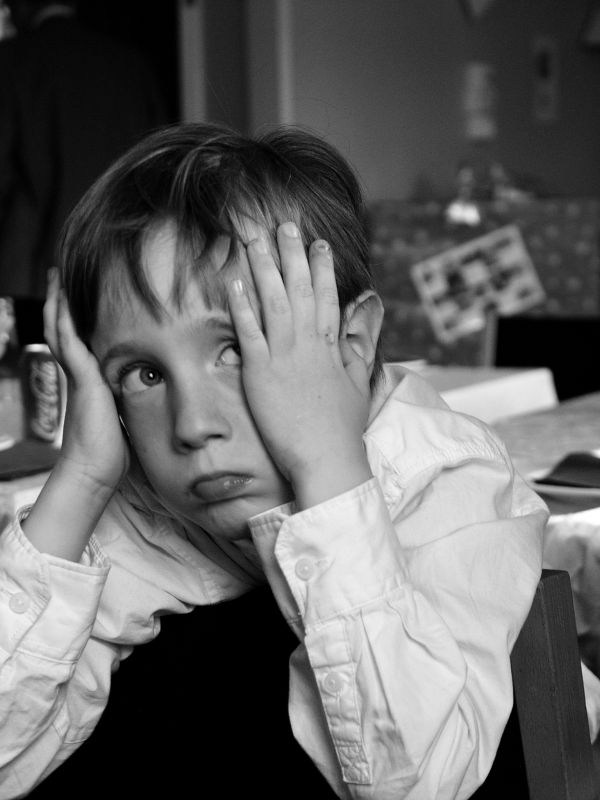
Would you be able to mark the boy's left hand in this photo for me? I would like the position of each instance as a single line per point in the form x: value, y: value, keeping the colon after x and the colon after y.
x: 308, y: 391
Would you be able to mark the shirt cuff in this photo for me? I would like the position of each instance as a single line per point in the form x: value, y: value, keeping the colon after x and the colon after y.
x: 47, y: 604
x: 338, y: 555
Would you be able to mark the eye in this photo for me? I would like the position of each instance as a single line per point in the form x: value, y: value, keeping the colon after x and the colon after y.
x: 139, y: 378
x: 230, y: 356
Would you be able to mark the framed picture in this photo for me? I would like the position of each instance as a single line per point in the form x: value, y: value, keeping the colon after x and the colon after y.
x: 459, y: 286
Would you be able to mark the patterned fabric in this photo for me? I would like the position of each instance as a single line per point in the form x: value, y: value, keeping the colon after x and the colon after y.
x: 561, y: 235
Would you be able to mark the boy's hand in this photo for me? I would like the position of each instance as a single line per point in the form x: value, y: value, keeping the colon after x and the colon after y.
x: 93, y: 456
x: 94, y: 447
x: 307, y: 390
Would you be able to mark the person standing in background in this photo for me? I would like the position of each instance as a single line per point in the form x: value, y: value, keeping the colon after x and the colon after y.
x: 71, y: 100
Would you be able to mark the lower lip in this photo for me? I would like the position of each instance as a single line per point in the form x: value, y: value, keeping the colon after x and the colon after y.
x: 218, y: 489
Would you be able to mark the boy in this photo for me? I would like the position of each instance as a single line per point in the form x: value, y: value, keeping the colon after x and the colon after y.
x: 231, y: 433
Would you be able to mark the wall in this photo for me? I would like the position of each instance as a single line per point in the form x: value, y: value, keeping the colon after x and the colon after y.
x: 382, y: 80
x: 565, y: 154
x: 225, y: 53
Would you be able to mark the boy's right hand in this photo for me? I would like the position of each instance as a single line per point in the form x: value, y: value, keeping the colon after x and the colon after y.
x: 94, y: 454
x: 94, y: 445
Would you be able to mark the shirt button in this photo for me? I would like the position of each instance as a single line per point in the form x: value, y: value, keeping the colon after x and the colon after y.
x: 19, y: 603
x: 333, y: 683
x: 305, y: 569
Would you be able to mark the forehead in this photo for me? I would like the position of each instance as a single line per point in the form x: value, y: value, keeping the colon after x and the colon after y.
x: 161, y: 261
x: 177, y: 282
x: 167, y: 266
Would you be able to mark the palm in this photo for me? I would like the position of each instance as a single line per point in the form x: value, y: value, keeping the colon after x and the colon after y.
x: 93, y: 443
x: 93, y: 440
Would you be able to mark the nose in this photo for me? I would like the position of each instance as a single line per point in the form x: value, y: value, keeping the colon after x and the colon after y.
x: 198, y: 415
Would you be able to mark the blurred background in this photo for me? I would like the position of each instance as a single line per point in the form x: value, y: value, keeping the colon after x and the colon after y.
x: 460, y: 116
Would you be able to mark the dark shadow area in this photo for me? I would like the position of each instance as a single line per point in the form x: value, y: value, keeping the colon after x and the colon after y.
x: 76, y: 91
x: 151, y: 28
x: 508, y: 770
x: 174, y: 725
x: 566, y: 345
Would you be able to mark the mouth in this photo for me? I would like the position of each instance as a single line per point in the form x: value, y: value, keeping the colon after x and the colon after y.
x: 220, y: 486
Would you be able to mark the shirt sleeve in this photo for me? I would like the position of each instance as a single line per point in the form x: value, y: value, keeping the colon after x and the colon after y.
x: 408, y: 618
x: 47, y: 610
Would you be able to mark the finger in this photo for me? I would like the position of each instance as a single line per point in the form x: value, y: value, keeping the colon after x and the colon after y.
x: 275, y: 306
x: 50, y: 310
x: 72, y: 353
x: 251, y: 339
x: 296, y: 274
x: 327, y: 306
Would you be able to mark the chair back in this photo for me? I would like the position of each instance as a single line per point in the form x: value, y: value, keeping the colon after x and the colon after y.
x: 546, y: 753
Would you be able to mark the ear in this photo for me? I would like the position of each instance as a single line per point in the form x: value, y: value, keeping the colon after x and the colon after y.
x: 361, y: 326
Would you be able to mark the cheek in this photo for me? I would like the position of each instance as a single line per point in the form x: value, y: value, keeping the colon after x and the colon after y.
x: 147, y: 429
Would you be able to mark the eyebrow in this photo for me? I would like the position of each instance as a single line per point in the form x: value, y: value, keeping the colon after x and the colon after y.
x: 117, y: 351
x: 218, y: 324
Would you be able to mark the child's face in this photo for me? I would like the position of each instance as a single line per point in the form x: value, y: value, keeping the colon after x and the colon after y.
x: 179, y: 391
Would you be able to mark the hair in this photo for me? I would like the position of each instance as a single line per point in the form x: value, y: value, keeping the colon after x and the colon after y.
x: 37, y: 4
x: 207, y: 179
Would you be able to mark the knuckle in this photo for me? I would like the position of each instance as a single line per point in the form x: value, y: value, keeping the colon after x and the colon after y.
x: 250, y: 332
x: 329, y: 295
x: 278, y: 305
x: 304, y: 289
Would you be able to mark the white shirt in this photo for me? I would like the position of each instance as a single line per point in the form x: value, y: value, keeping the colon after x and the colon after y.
x: 407, y: 594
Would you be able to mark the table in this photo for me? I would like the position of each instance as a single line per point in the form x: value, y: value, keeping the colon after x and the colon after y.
x: 539, y: 440
x: 491, y: 393
x: 572, y: 536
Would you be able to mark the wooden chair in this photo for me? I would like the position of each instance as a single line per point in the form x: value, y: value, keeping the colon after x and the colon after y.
x: 545, y: 753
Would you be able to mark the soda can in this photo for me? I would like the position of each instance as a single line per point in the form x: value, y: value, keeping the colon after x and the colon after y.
x: 43, y: 389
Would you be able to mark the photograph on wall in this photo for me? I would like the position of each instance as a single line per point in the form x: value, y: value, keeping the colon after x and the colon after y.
x: 459, y: 286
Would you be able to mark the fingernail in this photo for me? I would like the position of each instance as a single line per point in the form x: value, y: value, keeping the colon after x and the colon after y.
x: 290, y: 229
x: 237, y: 287
x: 322, y: 246
x: 259, y: 244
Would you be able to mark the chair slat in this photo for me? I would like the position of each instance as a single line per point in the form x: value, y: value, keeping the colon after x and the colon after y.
x: 550, y: 700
